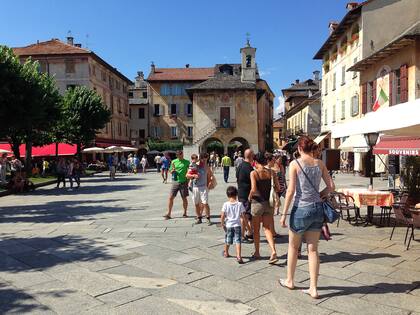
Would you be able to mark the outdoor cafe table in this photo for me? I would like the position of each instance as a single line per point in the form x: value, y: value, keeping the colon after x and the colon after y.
x: 369, y: 198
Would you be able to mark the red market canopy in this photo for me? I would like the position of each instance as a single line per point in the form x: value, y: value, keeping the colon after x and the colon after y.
x: 398, y: 146
x: 46, y: 150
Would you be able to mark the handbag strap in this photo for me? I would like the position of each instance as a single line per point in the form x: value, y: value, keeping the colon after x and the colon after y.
x: 307, y: 177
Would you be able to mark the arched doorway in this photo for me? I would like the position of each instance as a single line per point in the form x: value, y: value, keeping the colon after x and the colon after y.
x: 237, y: 144
x: 213, y: 144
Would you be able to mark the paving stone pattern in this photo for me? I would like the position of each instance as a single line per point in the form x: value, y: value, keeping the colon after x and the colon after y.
x: 105, y: 249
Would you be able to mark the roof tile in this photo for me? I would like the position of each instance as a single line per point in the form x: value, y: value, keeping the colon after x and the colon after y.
x: 181, y: 74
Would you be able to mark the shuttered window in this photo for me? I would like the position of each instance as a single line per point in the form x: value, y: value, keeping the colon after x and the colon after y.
x: 391, y: 88
x: 404, y: 83
x: 364, y: 98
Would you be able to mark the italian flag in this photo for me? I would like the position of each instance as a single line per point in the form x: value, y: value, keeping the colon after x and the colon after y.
x: 381, y: 100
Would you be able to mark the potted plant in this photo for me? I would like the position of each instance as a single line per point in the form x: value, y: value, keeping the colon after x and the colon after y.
x: 410, y: 177
x: 354, y: 37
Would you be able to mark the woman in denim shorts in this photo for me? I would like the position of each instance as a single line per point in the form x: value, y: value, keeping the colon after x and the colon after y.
x: 307, y: 215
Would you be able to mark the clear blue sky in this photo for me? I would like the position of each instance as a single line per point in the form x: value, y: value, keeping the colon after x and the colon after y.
x: 130, y: 34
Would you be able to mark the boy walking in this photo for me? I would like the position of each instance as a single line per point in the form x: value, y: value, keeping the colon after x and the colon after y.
x: 231, y: 217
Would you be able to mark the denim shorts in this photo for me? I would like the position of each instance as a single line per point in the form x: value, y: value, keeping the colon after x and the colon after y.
x: 233, y: 235
x: 307, y: 218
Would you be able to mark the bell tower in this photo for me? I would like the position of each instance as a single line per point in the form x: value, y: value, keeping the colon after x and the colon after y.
x: 249, y: 68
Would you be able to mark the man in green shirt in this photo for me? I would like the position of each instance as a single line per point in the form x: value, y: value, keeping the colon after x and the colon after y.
x: 226, y: 163
x: 178, y: 169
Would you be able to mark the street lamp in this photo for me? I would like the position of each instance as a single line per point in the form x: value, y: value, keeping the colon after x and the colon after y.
x: 371, y: 139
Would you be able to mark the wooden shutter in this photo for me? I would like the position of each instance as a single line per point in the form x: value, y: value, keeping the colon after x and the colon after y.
x: 391, y: 88
x: 404, y: 83
x: 364, y: 98
x: 177, y: 110
x: 373, y: 99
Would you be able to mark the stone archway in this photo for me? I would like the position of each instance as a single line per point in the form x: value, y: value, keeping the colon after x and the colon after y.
x: 213, y: 144
x: 237, y: 144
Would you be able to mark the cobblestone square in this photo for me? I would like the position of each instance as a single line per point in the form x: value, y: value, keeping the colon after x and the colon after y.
x: 105, y: 248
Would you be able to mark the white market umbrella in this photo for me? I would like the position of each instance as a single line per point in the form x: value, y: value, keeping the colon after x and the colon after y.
x: 112, y: 149
x: 4, y: 151
x: 129, y: 149
x: 92, y: 150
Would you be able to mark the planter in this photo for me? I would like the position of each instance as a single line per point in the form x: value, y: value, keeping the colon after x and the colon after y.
x: 334, y: 56
x: 354, y: 37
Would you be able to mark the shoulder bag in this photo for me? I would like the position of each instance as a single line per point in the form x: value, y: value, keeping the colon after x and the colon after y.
x: 330, y: 214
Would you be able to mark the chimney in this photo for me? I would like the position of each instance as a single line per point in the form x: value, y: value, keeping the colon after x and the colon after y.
x: 332, y: 26
x: 316, y: 75
x: 297, y: 81
x: 152, y: 68
x: 351, y: 6
x: 187, y: 65
x: 78, y: 45
x: 70, y: 40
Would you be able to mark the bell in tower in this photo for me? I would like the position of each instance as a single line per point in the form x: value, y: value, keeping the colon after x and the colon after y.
x: 249, y: 68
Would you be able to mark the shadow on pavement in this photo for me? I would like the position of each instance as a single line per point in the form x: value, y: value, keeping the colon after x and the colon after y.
x: 83, y: 190
x: 58, y: 211
x: 41, y: 254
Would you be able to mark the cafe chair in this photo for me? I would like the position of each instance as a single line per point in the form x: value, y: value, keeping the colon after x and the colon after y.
x: 386, y: 211
x: 415, y: 223
x: 345, y: 204
x: 403, y: 217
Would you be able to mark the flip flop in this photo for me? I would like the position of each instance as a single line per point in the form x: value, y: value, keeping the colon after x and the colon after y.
x: 282, y: 283
x: 255, y: 257
x: 167, y: 217
x: 239, y: 260
x: 185, y: 216
x: 273, y: 260
x: 306, y: 291
x: 224, y: 254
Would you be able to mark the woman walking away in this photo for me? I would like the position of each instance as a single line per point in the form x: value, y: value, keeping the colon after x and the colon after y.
x: 261, y: 210
x: 61, y: 170
x: 143, y: 163
x: 307, y: 216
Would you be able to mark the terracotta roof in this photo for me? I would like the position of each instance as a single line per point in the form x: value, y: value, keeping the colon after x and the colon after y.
x: 181, y: 74
x: 278, y: 124
x: 341, y: 28
x: 49, y: 47
x: 59, y: 48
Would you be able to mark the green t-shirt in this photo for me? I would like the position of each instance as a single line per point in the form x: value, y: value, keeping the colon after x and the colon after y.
x: 181, y: 167
x: 226, y: 161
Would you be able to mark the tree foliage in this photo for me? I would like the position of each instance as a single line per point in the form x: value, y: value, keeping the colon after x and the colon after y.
x: 83, y: 115
x: 29, y: 103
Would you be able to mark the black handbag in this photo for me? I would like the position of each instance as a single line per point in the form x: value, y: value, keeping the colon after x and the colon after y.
x: 330, y: 214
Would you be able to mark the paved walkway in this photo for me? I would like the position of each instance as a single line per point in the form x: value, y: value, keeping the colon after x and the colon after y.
x: 105, y: 249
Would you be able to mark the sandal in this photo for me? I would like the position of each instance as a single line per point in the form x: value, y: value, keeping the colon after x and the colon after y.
x: 282, y: 283
x: 239, y: 260
x: 306, y: 291
x: 185, y: 215
x: 167, y: 217
x: 224, y: 254
x: 255, y: 257
x: 273, y: 259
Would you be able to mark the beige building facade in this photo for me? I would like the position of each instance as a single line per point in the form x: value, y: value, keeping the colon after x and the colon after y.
x: 71, y: 65
x: 139, y: 111
x: 170, y: 107
x: 234, y: 107
x: 341, y: 98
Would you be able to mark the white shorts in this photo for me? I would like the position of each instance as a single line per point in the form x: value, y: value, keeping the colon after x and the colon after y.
x: 200, y: 194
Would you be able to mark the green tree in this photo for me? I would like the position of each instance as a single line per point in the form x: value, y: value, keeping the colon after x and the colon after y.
x: 83, y: 115
x: 29, y: 103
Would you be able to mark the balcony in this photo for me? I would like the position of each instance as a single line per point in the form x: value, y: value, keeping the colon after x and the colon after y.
x: 225, y: 124
x: 137, y: 101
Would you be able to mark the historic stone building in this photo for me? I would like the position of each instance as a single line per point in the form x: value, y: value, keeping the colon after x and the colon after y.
x: 228, y: 103
x: 303, y: 107
x: 340, y: 88
x: 170, y: 107
x: 234, y: 106
x: 71, y: 65
x: 139, y: 111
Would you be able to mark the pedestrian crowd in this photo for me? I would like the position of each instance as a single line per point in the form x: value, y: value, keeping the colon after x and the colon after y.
x: 261, y: 183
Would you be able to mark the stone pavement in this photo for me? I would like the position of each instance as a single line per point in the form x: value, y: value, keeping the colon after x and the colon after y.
x: 105, y: 249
